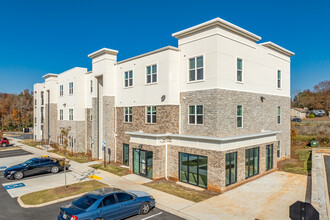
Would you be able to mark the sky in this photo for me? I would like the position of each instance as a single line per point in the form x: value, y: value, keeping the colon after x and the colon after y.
x: 40, y: 37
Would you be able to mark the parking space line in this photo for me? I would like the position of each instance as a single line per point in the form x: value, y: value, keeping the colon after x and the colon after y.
x: 153, y: 216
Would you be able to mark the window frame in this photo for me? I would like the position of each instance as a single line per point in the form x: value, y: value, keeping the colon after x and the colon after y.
x: 151, y: 114
x: 279, y: 114
x: 70, y: 118
x: 270, y: 164
x: 195, y: 68
x: 61, y: 90
x: 61, y: 114
x: 70, y: 88
x: 242, y: 70
x: 128, y: 78
x: 146, y: 74
x: 129, y: 119
x: 253, y: 163
x: 195, y: 115
x: 91, y: 86
x: 279, y: 79
x: 230, y: 163
x: 237, y: 116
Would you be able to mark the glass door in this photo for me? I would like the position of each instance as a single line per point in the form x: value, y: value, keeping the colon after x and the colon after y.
x: 143, y: 163
x: 136, y: 159
x: 126, y: 154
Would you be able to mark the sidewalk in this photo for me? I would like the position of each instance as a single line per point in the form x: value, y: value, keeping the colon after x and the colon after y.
x: 164, y: 201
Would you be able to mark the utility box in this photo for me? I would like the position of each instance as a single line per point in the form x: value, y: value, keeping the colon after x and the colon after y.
x: 315, y: 143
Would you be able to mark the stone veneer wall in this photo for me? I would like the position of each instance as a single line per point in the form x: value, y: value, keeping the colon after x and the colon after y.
x: 77, y: 131
x: 167, y: 122
x: 109, y: 124
x: 158, y: 158
x: 88, y: 129
x: 95, y: 149
x: 220, y: 114
x: 52, y: 122
x: 216, y: 167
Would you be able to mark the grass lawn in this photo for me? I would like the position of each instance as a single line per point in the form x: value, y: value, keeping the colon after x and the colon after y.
x: 29, y: 142
x: 186, y: 193
x: 48, y: 195
x: 80, y: 157
x: 112, y: 168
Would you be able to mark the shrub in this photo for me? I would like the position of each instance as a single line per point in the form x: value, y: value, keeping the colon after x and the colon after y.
x: 311, y: 115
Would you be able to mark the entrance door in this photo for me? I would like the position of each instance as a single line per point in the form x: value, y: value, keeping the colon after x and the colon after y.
x: 142, y: 163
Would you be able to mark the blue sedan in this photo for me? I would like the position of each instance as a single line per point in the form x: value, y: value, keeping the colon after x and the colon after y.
x: 108, y: 203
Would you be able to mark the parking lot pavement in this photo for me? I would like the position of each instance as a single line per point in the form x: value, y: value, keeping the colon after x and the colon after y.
x: 21, y: 136
x: 13, y: 153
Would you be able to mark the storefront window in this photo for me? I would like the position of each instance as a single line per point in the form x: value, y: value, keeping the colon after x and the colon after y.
x: 251, y: 162
x: 193, y: 169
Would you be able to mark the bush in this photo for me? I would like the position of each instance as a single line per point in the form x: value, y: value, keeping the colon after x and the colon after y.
x: 311, y: 115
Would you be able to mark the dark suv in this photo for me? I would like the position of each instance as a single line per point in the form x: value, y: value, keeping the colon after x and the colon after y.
x: 34, y: 166
x: 296, y: 120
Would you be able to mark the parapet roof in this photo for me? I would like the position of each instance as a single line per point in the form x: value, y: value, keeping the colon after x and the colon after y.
x: 217, y: 22
x: 102, y: 51
x: 277, y: 48
x: 48, y: 75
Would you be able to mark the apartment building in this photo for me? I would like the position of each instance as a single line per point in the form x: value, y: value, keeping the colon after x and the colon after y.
x: 213, y: 112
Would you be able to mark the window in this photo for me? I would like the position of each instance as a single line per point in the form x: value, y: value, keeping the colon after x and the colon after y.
x: 196, y: 69
x: 278, y: 149
x: 45, y: 161
x: 239, y: 66
x: 61, y: 139
x: 129, y: 78
x: 35, y: 102
x: 84, y: 202
x: 61, y: 90
x: 152, y: 74
x: 123, y: 197
x: 42, y: 114
x: 91, y: 142
x: 251, y: 162
x: 151, y: 114
x: 70, y: 88
x: 128, y: 114
x: 61, y: 114
x: 239, y: 116
x: 278, y: 115
x: 196, y: 114
x: 109, y: 200
x: 126, y: 154
x: 193, y: 169
x: 91, y: 86
x: 278, y: 79
x: 71, y: 140
x: 269, y: 157
x: 91, y: 114
x: 42, y: 98
x: 231, y: 168
x: 71, y: 114
x: 35, y: 120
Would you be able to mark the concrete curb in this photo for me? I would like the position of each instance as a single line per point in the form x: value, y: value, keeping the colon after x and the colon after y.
x: 175, y: 212
x: 23, y: 205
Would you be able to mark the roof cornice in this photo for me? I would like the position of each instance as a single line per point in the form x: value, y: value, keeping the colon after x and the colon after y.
x: 49, y: 75
x: 102, y: 52
x: 277, y: 48
x: 217, y: 22
x: 149, y: 53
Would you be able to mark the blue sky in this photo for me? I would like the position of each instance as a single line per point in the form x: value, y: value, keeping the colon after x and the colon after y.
x: 39, y: 37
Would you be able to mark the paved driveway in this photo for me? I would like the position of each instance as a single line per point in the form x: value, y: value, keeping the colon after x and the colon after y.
x: 268, y: 197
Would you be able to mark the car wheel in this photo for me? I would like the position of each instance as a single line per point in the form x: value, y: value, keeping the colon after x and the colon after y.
x: 54, y: 169
x: 145, y: 208
x: 18, y: 175
x: 4, y: 145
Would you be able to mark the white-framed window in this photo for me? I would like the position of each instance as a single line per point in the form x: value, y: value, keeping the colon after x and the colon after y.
x: 239, y: 116
x: 70, y: 88
x: 42, y: 98
x: 61, y: 139
x: 91, y: 86
x: 279, y: 79
x: 151, y: 74
x: 71, y: 114
x: 61, y: 114
x: 71, y: 142
x: 278, y: 115
x: 61, y: 90
x: 128, y: 114
x: 151, y: 114
x: 91, y: 142
x: 91, y: 114
x: 196, y: 68
x: 196, y: 114
x: 128, y: 78
x: 239, y: 70
x: 278, y: 149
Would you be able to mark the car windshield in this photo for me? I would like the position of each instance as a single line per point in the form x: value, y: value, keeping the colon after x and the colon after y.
x: 28, y: 162
x: 84, y: 202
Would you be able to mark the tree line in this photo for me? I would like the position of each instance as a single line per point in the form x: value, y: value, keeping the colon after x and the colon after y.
x: 319, y: 98
x: 16, y: 111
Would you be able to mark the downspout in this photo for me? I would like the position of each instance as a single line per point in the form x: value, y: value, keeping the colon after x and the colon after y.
x: 166, y: 160
x: 115, y: 134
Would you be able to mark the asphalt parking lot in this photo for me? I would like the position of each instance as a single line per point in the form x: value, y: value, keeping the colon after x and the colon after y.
x: 11, y: 210
x: 21, y: 136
